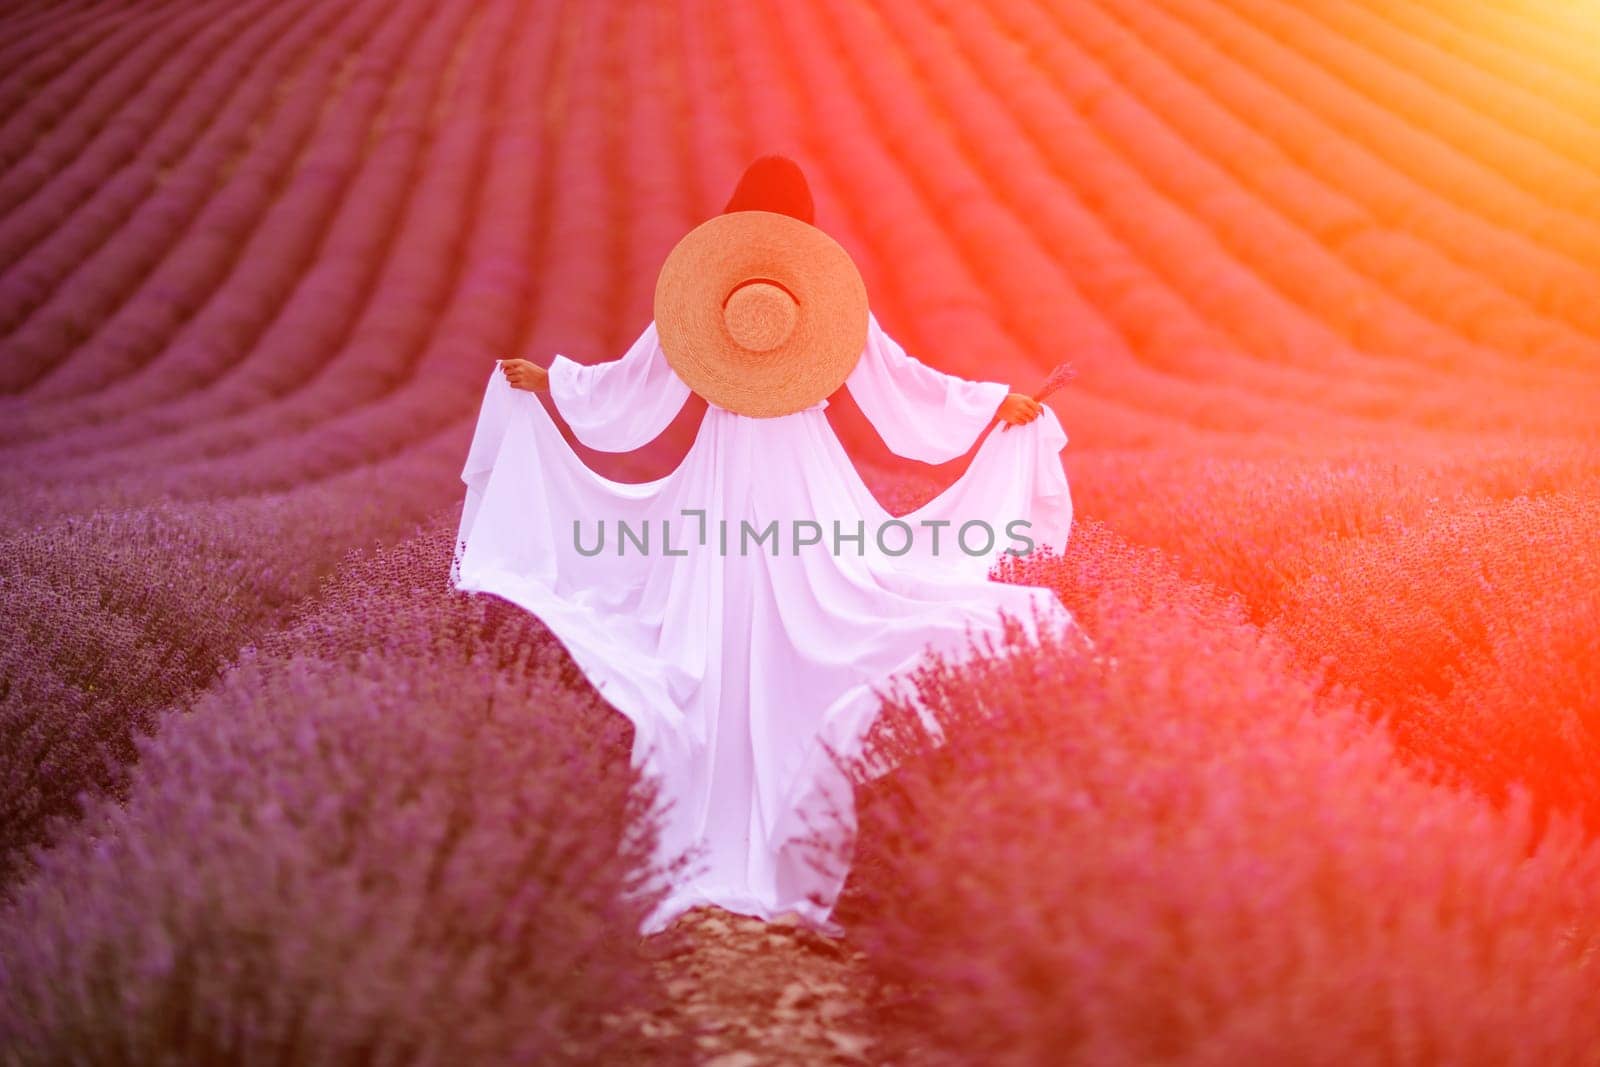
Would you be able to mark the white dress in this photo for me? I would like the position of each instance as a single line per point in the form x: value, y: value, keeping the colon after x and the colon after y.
x: 739, y: 668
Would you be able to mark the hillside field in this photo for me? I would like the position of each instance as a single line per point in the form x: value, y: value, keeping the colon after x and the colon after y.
x: 1329, y: 272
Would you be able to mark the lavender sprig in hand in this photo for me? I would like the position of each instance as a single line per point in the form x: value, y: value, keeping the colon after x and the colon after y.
x: 1031, y: 406
x: 1059, y: 377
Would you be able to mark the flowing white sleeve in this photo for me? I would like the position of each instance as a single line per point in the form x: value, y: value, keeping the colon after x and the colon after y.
x: 921, y: 413
x: 622, y: 404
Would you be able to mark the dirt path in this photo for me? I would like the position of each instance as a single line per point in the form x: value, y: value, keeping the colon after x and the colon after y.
x: 750, y: 994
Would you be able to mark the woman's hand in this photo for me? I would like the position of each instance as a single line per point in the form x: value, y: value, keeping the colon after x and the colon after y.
x: 523, y: 374
x: 1017, y: 409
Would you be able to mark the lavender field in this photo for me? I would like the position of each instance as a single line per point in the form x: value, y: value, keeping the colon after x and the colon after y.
x: 1326, y: 791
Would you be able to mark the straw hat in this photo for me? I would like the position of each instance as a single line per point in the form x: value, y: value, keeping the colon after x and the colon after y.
x: 760, y: 313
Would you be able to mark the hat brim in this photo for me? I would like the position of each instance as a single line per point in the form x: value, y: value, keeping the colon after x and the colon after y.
x: 714, y: 259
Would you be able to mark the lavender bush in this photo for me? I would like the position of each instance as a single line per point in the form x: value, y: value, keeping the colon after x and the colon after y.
x: 1174, y: 849
x: 414, y: 839
x: 116, y: 614
x: 1497, y: 609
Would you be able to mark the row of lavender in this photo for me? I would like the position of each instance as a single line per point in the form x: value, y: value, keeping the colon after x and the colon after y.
x: 1181, y: 848
x: 399, y: 830
x: 1251, y: 335
x: 1114, y: 855
x: 126, y: 612
x: 1175, y: 351
x: 97, y: 587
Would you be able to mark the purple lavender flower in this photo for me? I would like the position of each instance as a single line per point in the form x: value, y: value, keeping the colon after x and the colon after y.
x: 1060, y: 376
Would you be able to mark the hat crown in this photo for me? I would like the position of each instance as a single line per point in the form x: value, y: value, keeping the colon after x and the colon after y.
x: 760, y: 315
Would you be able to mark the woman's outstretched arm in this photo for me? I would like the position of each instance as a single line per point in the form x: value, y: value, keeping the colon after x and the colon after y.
x: 615, y: 406
x: 1017, y: 409
x: 524, y: 374
x: 922, y: 413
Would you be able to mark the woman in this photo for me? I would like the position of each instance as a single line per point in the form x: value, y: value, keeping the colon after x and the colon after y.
x: 745, y: 672
x: 772, y: 183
